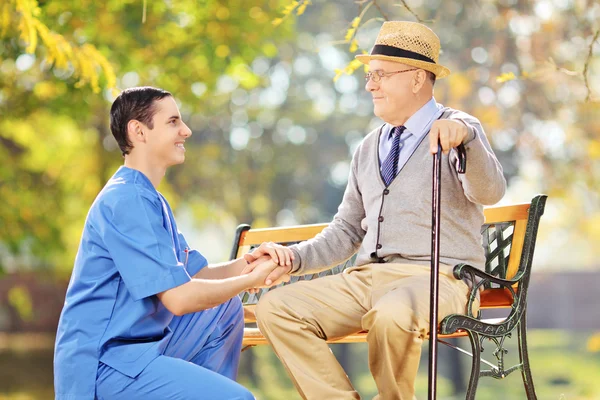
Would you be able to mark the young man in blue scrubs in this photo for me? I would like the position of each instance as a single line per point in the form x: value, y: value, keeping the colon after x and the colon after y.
x: 145, y: 317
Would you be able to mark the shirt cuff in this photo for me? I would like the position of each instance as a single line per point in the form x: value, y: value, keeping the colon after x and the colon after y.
x: 471, y: 135
x: 296, y: 262
x: 175, y: 277
x: 196, y: 261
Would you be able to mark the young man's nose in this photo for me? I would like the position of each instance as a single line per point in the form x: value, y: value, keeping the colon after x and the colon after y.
x: 187, y: 132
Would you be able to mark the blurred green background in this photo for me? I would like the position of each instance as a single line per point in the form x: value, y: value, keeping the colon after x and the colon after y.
x: 277, y: 108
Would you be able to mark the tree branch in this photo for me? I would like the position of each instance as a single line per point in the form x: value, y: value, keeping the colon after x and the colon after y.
x: 409, y: 10
x: 587, y: 64
x: 384, y: 15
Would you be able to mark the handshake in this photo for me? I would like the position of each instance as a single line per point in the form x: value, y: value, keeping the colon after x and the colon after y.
x: 269, y: 264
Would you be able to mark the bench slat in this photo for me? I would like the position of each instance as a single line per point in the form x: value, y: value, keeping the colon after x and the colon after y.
x: 253, y: 337
x: 490, y: 298
x: 514, y: 212
x: 287, y: 234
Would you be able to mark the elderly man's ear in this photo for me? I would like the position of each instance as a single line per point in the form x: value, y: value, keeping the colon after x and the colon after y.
x: 419, y: 81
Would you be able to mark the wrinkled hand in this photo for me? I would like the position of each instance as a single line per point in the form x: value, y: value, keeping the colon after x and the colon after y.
x: 278, y: 253
x: 267, y: 273
x: 451, y: 133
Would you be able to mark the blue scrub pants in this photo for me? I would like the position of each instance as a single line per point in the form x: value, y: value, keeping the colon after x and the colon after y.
x: 200, y: 361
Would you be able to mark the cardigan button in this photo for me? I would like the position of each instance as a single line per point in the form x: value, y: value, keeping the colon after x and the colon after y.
x: 379, y: 246
x: 386, y: 191
x: 380, y: 219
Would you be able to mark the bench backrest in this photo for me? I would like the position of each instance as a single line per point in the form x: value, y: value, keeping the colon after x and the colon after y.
x: 508, y: 239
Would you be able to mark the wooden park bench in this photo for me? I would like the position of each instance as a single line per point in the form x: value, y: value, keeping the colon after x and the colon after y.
x: 508, y: 237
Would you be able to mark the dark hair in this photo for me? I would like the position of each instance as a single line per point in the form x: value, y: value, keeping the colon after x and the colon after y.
x: 431, y: 77
x: 133, y: 103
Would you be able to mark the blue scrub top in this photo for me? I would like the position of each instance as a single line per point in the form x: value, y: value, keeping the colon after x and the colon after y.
x: 130, y: 250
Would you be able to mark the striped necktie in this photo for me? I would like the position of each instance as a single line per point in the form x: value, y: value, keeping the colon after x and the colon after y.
x: 389, y: 168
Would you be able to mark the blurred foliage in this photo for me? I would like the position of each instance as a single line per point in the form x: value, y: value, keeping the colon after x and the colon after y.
x: 19, y: 299
x: 85, y: 61
x: 530, y: 71
x: 273, y: 131
x: 593, y: 343
x: 295, y: 7
x: 54, y: 132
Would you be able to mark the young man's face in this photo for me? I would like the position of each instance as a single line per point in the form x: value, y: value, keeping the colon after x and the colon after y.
x: 392, y: 95
x: 165, y: 142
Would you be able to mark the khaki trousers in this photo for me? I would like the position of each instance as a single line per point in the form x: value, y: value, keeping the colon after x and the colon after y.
x: 390, y: 301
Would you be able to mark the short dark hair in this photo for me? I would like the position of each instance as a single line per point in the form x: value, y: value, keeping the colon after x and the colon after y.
x: 431, y: 77
x: 133, y: 103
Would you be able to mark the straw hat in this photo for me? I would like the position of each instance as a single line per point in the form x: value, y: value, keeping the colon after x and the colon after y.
x: 408, y: 43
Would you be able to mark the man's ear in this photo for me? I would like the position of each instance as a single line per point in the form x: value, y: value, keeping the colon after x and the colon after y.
x: 419, y: 80
x: 135, y: 131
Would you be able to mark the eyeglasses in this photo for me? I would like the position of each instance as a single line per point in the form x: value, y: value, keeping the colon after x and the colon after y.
x: 378, y: 74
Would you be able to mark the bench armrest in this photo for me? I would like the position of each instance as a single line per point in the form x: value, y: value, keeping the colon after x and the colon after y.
x: 462, y: 271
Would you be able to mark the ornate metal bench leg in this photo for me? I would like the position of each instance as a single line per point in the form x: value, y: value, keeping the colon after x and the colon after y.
x: 524, y: 358
x: 475, y: 365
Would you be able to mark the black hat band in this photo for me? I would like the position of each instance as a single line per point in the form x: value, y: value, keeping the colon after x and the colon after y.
x: 385, y: 50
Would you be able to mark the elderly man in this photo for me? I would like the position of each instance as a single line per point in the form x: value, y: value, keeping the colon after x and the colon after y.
x: 385, y: 215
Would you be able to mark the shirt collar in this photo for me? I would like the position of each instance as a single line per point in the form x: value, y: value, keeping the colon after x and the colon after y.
x: 124, y: 173
x: 419, y: 123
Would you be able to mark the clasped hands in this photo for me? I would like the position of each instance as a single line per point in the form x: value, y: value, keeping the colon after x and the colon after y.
x: 271, y: 263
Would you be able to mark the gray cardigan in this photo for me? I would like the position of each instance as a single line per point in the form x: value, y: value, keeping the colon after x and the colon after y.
x: 393, y: 224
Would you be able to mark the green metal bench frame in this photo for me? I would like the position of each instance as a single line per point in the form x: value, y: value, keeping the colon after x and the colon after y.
x: 508, y: 237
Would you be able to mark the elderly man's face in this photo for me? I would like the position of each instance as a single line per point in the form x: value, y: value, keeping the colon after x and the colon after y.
x: 392, y: 95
